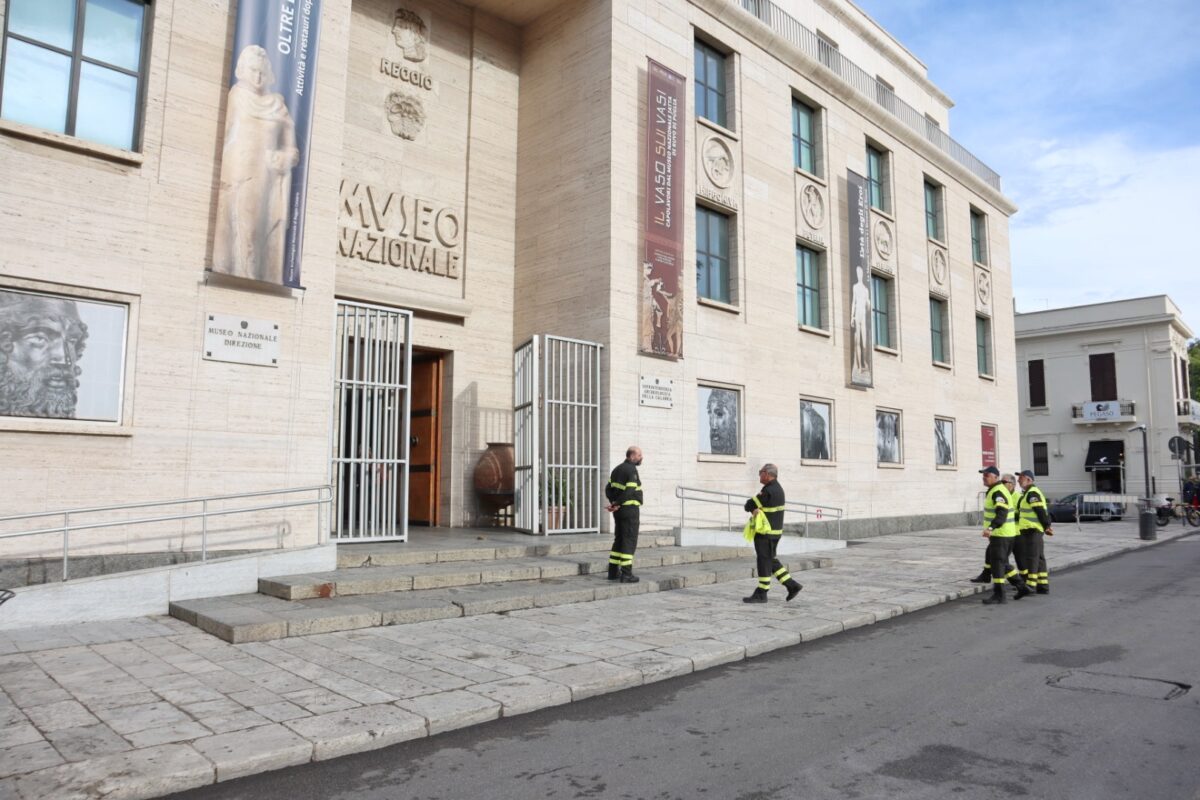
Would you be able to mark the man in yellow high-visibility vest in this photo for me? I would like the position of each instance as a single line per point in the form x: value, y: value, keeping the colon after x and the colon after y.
x: 1033, y: 520
x: 1000, y: 529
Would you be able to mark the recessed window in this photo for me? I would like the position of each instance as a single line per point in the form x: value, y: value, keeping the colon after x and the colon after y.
x: 827, y: 51
x: 983, y: 344
x: 881, y: 310
x: 943, y: 442
x: 1037, y: 383
x: 938, y: 324
x: 877, y: 179
x: 76, y: 67
x: 934, y: 227
x: 809, y: 285
x: 979, y: 250
x: 804, y: 137
x: 710, y: 84
x: 1103, y: 369
x: 712, y: 255
x: 1041, y: 458
x: 885, y: 94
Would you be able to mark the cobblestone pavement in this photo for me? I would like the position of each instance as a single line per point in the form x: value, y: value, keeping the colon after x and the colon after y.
x: 146, y: 707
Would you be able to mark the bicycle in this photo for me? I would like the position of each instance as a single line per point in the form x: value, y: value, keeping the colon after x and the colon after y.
x: 1171, y: 510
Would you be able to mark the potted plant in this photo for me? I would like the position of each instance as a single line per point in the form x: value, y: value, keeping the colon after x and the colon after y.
x: 557, y: 501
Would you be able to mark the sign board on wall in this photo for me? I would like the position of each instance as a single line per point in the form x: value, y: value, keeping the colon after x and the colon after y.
x: 988, y: 437
x: 1098, y: 412
x: 656, y: 392
x: 241, y: 341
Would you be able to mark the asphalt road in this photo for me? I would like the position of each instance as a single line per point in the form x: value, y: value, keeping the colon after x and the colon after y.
x: 1079, y: 694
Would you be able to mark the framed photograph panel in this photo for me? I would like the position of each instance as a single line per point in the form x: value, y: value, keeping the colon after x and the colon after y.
x: 816, y: 430
x: 719, y: 421
x: 943, y: 442
x: 888, y: 432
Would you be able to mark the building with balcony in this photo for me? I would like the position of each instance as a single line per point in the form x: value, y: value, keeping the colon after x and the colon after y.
x: 479, y: 174
x: 1087, y: 376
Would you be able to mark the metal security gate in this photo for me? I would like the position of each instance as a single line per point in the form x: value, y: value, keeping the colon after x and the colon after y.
x: 556, y: 424
x: 370, y: 430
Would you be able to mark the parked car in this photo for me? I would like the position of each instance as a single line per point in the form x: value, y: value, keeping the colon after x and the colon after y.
x: 1063, y: 510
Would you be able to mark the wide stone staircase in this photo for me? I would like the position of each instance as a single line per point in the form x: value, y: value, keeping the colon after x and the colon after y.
x: 396, y: 583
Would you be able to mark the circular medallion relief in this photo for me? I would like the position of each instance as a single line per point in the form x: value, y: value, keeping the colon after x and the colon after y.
x: 812, y: 206
x: 718, y: 162
x: 938, y: 267
x: 405, y: 115
x: 883, y: 240
x: 983, y: 288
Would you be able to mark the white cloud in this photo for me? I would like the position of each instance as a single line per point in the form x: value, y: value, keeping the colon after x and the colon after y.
x: 1109, y: 223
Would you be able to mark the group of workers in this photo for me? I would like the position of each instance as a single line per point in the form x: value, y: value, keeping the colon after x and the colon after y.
x: 1016, y: 523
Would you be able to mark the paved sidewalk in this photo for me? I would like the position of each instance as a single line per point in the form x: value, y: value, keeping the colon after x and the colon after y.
x: 146, y: 707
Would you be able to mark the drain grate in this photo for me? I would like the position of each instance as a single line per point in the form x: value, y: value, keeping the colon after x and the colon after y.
x: 1128, y: 685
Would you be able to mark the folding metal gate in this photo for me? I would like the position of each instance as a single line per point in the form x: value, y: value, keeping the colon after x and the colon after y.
x: 370, y: 428
x: 556, y: 423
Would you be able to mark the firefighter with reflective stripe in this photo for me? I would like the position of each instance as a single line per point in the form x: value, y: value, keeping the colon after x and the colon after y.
x: 769, y: 501
x: 624, y: 493
x: 1035, y: 525
x: 1000, y: 529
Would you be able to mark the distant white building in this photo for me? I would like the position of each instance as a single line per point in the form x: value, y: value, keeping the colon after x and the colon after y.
x: 1087, y: 376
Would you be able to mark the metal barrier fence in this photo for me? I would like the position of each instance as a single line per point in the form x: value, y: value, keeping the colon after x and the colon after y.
x: 810, y: 511
x: 70, y: 523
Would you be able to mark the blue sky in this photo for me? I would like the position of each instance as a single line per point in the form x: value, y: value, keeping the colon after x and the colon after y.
x: 1090, y: 112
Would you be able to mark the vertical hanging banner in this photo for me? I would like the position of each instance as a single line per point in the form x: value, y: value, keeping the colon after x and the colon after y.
x: 861, y: 339
x: 987, y: 435
x: 661, y: 280
x: 268, y: 124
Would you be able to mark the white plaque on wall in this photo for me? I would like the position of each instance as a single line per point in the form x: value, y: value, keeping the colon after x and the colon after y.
x: 656, y: 392
x: 240, y: 340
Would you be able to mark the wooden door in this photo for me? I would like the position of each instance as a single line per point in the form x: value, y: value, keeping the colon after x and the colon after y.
x: 424, y: 470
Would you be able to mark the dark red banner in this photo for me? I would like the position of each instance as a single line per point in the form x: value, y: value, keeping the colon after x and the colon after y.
x: 661, y: 279
x: 988, y: 435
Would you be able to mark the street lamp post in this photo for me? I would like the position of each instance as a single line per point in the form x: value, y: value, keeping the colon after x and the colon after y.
x: 1146, y: 522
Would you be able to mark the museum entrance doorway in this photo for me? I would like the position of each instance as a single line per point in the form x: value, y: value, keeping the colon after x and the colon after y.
x: 425, y: 439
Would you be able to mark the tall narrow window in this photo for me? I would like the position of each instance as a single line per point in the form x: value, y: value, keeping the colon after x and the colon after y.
x: 933, y: 211
x: 983, y: 344
x: 881, y: 305
x: 827, y: 51
x: 978, y: 237
x: 937, y: 330
x: 1041, y: 458
x: 885, y: 94
x: 712, y: 255
x: 1103, y: 368
x: 804, y: 136
x: 76, y: 67
x: 1037, y: 383
x: 877, y: 179
x: 808, y: 287
x: 710, y: 84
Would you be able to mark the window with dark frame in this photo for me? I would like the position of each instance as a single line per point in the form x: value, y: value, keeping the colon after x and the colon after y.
x: 933, y: 211
x: 804, y: 136
x: 1037, y: 383
x: 1041, y: 458
x: 978, y: 238
x: 1103, y: 369
x: 808, y: 287
x: 712, y: 255
x: 877, y: 192
x: 710, y: 84
x: 881, y: 307
x: 937, y: 330
x: 983, y: 344
x: 77, y: 67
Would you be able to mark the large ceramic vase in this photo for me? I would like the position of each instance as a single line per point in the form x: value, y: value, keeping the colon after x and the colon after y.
x: 494, y: 477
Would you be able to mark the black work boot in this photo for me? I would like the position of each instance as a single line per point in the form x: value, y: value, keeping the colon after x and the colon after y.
x: 759, y: 596
x: 997, y: 595
x: 983, y: 577
x: 793, y: 586
x: 1043, y: 589
x: 1023, y: 590
x: 614, y: 571
x: 627, y: 575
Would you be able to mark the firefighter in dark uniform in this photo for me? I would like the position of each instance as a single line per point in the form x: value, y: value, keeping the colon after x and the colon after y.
x: 1034, y: 521
x: 1000, y: 529
x: 624, y: 493
x: 770, y: 501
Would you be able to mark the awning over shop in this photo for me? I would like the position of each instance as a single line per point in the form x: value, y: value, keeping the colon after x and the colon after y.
x: 1104, y: 455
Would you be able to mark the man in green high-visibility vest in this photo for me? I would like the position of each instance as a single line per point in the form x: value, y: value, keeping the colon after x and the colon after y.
x: 1000, y: 529
x: 770, y: 502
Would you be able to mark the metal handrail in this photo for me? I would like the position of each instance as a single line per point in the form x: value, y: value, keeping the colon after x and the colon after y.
x: 730, y: 501
x: 865, y: 84
x: 323, y: 499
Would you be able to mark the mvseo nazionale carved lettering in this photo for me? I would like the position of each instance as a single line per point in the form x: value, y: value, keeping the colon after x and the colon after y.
x: 398, y: 230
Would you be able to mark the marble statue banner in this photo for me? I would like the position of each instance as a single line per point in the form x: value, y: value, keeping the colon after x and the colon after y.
x: 268, y: 124
x: 862, y: 344
x: 661, y: 279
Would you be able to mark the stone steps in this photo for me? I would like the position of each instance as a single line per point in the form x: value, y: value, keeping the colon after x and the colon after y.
x: 261, y: 617
x: 398, y: 554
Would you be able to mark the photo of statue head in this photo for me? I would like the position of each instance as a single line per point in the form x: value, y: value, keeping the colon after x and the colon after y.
x: 408, y: 29
x: 815, y: 431
x: 943, y: 442
x: 887, y: 437
x: 405, y: 115
x: 257, y: 158
x: 42, y: 339
x: 718, y: 424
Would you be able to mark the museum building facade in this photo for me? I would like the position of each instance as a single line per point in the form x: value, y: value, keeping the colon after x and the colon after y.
x: 435, y: 226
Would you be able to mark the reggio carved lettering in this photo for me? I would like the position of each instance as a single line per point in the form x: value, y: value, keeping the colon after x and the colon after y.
x: 405, y: 73
x: 398, y: 230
